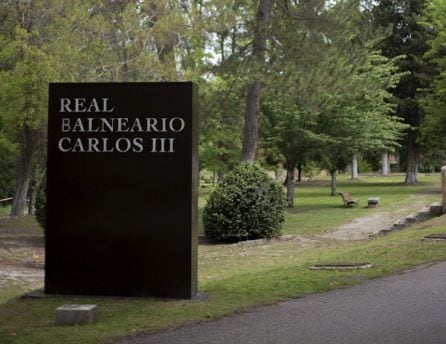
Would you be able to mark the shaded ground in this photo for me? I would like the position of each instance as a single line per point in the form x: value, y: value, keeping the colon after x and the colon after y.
x: 21, y: 254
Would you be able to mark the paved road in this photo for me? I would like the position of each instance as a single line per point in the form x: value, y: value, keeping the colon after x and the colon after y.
x: 403, y: 309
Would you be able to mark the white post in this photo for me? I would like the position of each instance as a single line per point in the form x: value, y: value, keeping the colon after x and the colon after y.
x: 443, y: 185
x: 354, y: 166
x: 385, y: 164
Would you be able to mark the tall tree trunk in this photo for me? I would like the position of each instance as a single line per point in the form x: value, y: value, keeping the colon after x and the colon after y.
x: 299, y: 171
x: 333, y: 182
x: 385, y: 164
x: 251, y: 127
x: 354, y: 166
x: 23, y: 172
x: 220, y: 176
x: 290, y: 185
x: 32, y: 195
x: 250, y: 131
x: 412, y: 160
x: 125, y: 65
x: 165, y: 46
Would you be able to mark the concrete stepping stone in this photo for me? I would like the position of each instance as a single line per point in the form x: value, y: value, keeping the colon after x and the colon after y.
x: 74, y: 314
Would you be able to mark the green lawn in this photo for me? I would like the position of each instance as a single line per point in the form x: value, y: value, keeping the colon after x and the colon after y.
x: 316, y: 211
x: 5, y: 210
x: 237, y: 277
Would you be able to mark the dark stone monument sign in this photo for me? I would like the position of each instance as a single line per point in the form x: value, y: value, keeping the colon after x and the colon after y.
x: 122, y: 189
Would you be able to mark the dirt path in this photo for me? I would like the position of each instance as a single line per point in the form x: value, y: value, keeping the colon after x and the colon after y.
x: 363, y: 227
x: 21, y: 254
x: 21, y: 278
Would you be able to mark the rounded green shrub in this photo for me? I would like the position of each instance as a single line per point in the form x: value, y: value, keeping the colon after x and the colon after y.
x: 247, y: 204
x: 41, y: 205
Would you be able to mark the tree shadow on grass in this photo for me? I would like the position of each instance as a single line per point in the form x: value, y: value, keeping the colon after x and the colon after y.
x: 370, y: 189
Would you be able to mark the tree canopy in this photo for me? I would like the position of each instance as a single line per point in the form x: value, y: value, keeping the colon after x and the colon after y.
x: 434, y: 102
x: 319, y: 80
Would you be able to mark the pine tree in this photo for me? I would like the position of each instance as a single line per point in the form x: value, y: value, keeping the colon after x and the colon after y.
x: 408, y: 38
x: 434, y: 103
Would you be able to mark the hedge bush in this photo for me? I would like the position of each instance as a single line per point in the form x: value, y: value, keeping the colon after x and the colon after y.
x: 247, y: 204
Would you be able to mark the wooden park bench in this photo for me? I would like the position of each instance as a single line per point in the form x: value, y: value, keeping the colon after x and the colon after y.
x: 348, y: 200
